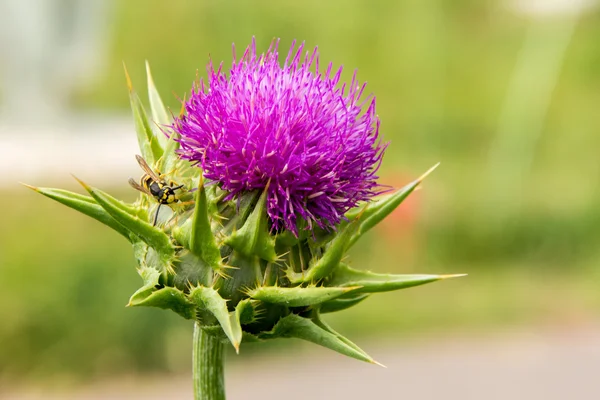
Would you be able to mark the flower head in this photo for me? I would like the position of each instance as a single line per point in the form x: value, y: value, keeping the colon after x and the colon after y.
x: 311, y: 141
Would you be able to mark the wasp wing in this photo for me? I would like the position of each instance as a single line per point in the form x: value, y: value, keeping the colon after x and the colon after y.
x: 147, y: 169
x: 139, y: 187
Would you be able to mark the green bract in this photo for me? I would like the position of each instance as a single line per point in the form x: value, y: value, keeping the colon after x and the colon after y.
x: 216, y: 262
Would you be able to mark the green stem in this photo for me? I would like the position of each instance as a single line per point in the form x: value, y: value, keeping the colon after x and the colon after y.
x: 207, y: 358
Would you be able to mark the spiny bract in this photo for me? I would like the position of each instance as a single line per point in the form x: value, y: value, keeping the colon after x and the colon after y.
x: 214, y: 258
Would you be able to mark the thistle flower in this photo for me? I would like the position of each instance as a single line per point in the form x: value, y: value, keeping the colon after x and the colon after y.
x: 283, y: 148
x: 311, y: 142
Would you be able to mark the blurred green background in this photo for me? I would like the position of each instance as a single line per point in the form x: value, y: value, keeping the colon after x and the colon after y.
x: 506, y: 100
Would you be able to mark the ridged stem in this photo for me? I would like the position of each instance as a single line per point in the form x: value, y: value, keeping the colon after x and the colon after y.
x: 207, y: 358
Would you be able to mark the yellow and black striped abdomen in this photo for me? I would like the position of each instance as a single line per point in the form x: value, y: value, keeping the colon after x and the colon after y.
x: 162, y: 193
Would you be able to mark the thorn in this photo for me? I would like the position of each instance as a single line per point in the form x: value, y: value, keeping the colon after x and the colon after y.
x: 280, y: 256
x: 430, y: 170
x: 148, y: 74
x: 129, y: 85
x: 182, y: 111
x: 247, y: 290
x: 222, y: 274
x: 236, y: 346
x: 30, y: 187
x: 452, y: 276
x: 190, y: 287
x: 220, y: 218
x: 267, y: 273
x: 82, y: 183
x: 170, y: 270
x: 378, y: 363
x: 360, y: 213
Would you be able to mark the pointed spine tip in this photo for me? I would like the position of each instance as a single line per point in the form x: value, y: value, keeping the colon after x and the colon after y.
x: 236, y: 346
x: 128, y: 78
x: 450, y: 276
x: 222, y: 274
x: 149, y: 74
x: 360, y: 213
x: 429, y: 171
x: 82, y: 183
x: 351, y: 288
x: 182, y: 110
x: 378, y: 364
x: 35, y: 189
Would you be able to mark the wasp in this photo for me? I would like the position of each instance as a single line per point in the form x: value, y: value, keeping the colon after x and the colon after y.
x: 155, y: 186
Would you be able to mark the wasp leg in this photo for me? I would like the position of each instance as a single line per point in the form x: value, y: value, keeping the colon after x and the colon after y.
x: 156, y: 214
x: 169, y: 173
x: 186, y: 203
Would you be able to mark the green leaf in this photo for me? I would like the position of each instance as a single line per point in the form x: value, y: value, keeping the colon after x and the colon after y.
x: 153, y: 236
x: 161, y: 118
x: 253, y: 238
x: 242, y: 207
x: 320, y: 323
x: 217, y: 331
x: 294, y: 326
x: 250, y: 338
x: 203, y: 242
x: 133, y: 210
x: 150, y: 277
x: 159, y: 111
x: 182, y: 233
x: 370, y: 282
x: 147, y: 140
x: 242, y: 272
x: 84, y: 204
x: 169, y: 298
x: 170, y: 160
x: 191, y: 271
x: 246, y: 312
x: 209, y: 299
x: 331, y: 258
x: 374, y: 212
x: 342, y: 303
x: 297, y: 296
x: 286, y: 239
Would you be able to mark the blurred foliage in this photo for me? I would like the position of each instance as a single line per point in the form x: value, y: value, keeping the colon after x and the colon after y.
x: 63, y: 292
x: 440, y: 70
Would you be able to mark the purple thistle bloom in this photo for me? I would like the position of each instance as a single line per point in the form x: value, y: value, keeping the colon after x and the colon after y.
x: 291, y: 128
